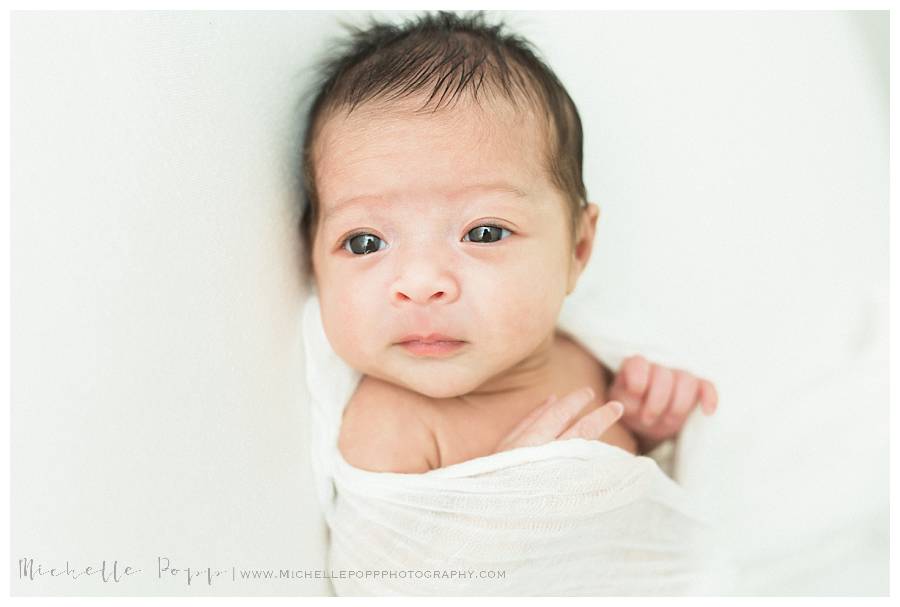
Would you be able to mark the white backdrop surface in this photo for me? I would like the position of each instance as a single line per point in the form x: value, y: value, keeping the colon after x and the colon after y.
x: 158, y: 399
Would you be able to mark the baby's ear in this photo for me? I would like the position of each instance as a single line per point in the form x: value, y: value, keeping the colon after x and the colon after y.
x: 584, y: 244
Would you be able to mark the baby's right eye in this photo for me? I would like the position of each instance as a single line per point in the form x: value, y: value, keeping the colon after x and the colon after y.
x: 362, y: 243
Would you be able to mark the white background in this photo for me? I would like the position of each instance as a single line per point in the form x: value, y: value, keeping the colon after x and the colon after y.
x: 158, y: 398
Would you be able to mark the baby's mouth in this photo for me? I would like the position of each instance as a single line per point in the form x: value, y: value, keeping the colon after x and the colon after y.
x: 437, y: 348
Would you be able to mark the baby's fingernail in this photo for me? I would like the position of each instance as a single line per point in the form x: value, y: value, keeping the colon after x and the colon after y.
x: 617, y: 407
x: 589, y: 393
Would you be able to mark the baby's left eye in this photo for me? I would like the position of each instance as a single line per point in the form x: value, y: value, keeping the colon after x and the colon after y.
x: 487, y: 233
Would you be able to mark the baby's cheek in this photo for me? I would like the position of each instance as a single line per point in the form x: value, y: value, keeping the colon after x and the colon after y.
x: 538, y: 289
x: 526, y: 314
x: 346, y: 327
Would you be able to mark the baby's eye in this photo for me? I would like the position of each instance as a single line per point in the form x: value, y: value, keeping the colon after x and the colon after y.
x: 363, y: 244
x: 487, y: 233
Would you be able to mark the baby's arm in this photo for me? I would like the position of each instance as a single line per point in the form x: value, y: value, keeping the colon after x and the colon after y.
x: 658, y: 399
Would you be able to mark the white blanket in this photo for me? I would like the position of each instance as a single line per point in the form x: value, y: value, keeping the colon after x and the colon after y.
x: 573, y: 517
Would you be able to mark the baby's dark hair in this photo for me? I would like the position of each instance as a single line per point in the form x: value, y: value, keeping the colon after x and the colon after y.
x: 448, y: 56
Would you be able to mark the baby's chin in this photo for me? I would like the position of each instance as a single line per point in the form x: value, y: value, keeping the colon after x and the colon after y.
x: 434, y: 383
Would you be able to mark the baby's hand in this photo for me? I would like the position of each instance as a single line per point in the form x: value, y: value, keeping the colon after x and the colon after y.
x: 658, y: 399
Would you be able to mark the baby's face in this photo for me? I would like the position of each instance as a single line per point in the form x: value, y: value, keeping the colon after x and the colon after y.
x: 424, y: 188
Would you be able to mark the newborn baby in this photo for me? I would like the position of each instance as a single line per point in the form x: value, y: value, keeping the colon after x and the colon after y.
x: 446, y: 221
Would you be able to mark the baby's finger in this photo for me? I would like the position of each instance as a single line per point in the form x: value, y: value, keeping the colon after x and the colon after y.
x: 708, y: 397
x: 658, y: 395
x: 635, y: 374
x: 630, y: 384
x: 594, y: 424
x: 684, y: 397
x: 530, y: 418
x: 556, y: 418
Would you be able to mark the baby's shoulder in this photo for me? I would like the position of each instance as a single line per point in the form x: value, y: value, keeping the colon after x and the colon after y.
x: 385, y: 429
x: 579, y: 360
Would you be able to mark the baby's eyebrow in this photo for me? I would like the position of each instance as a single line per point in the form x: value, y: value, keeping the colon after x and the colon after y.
x: 377, y: 199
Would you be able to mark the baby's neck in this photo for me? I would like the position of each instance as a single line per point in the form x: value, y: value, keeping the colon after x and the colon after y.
x: 525, y: 382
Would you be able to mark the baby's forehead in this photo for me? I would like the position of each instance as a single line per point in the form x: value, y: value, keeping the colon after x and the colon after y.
x: 397, y: 147
x: 461, y: 141
x: 465, y: 132
x: 492, y: 117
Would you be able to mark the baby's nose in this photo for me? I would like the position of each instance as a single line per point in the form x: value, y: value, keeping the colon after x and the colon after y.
x: 419, y: 296
x: 424, y: 283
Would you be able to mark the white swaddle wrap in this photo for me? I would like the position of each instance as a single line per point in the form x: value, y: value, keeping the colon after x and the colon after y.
x: 573, y: 517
